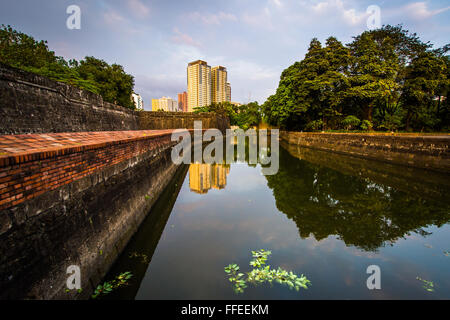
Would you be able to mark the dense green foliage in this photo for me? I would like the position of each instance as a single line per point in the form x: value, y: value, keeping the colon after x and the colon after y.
x: 386, y: 79
x: 110, y: 81
x: 245, y: 116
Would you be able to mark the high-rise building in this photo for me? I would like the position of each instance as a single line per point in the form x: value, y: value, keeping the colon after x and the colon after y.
x: 204, y: 176
x: 198, y: 84
x: 219, y: 84
x: 182, y: 102
x: 165, y: 104
x: 219, y: 174
x: 200, y: 177
x: 228, y: 90
x: 138, y: 102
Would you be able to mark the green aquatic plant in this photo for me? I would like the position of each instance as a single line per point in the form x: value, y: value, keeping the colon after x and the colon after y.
x: 108, y: 286
x: 142, y: 256
x: 427, y: 285
x: 262, y: 273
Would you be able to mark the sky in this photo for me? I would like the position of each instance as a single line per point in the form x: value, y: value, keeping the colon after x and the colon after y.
x: 254, y: 39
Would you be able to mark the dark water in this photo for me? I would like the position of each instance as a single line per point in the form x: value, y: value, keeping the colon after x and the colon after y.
x: 323, y: 215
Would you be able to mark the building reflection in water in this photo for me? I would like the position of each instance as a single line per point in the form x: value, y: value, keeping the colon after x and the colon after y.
x: 204, y: 176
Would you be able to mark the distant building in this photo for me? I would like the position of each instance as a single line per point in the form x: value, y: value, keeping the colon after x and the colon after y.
x: 164, y: 104
x: 138, y: 102
x: 198, y: 84
x: 237, y: 104
x: 182, y: 102
x: 219, y: 84
x: 228, y: 92
x: 155, y: 104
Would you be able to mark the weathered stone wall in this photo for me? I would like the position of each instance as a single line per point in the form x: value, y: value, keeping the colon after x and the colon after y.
x: 30, y: 103
x: 150, y: 120
x: 77, y: 218
x: 429, y: 152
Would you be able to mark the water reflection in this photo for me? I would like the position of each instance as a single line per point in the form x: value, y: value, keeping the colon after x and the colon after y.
x: 204, y: 176
x: 355, y: 207
x: 325, y: 215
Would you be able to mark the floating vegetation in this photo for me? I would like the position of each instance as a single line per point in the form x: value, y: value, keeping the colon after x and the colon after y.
x: 78, y: 290
x: 427, y: 285
x: 109, y: 286
x: 262, y: 273
x: 143, y: 257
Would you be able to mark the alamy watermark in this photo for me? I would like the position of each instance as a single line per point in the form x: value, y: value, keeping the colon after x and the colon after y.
x: 374, y: 280
x: 74, y: 19
x: 251, y: 146
x: 374, y: 19
x: 74, y: 280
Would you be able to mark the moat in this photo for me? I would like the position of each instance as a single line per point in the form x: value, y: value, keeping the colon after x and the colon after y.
x: 323, y: 215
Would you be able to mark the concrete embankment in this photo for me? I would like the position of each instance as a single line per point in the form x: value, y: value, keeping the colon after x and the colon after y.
x: 420, y: 151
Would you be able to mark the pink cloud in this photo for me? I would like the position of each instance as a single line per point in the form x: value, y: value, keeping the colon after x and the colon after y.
x: 184, y: 39
x: 138, y: 8
x: 420, y: 10
x: 212, y: 18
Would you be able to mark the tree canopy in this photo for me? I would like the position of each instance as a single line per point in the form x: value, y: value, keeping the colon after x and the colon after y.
x: 387, y: 79
x: 24, y: 52
x: 244, y: 116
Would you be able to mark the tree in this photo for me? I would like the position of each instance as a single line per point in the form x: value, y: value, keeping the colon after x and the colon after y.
x: 374, y: 69
x: 424, y: 78
x: 387, y: 77
x: 244, y: 116
x: 114, y: 84
x: 24, y: 52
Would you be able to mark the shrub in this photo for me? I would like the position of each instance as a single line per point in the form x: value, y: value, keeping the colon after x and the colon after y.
x: 366, y: 125
x: 350, y: 122
x: 391, y: 122
x: 314, y: 125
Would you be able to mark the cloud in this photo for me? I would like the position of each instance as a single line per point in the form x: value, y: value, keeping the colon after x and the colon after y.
x: 120, y: 24
x: 278, y: 3
x: 261, y: 20
x: 139, y: 9
x: 338, y: 8
x: 251, y: 70
x: 184, y: 39
x: 420, y: 11
x: 112, y: 17
x: 211, y: 18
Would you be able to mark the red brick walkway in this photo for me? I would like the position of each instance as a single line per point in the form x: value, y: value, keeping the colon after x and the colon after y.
x: 15, y: 149
x: 33, y: 164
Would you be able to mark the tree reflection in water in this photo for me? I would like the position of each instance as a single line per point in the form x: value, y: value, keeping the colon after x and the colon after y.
x: 362, y: 212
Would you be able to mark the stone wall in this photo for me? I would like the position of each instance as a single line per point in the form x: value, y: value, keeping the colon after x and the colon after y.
x: 429, y: 152
x: 30, y: 103
x: 82, y: 206
x: 150, y: 120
